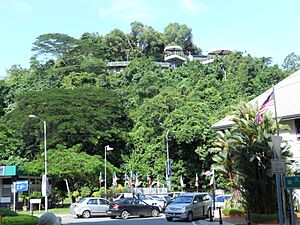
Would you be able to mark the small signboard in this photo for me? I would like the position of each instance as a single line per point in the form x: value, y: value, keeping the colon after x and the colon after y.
x: 22, y: 185
x: 292, y: 182
x: 278, y: 166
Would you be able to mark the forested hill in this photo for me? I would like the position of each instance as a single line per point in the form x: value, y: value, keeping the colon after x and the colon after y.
x: 86, y: 107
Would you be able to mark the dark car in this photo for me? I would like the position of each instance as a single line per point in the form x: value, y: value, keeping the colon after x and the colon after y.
x: 131, y: 207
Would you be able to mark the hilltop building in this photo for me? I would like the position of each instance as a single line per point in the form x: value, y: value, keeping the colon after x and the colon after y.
x: 173, y: 57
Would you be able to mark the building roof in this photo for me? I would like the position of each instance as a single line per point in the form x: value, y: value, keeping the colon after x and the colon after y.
x: 173, y: 48
x: 219, y: 51
x: 287, y: 98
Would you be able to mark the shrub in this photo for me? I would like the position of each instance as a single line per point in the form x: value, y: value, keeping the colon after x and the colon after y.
x: 85, y: 191
x: 20, y: 220
x: 7, y: 212
x: 35, y: 195
x: 233, y: 211
x: 96, y: 194
x: 261, y: 218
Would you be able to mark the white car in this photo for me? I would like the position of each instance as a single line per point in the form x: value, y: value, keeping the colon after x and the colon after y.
x: 221, y: 199
x: 150, y: 201
x: 91, y: 206
x: 161, y: 202
x: 124, y: 195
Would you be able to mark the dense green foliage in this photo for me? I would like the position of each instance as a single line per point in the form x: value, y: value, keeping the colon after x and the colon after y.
x: 20, y: 220
x: 7, y: 212
x: 245, y: 152
x: 86, y: 107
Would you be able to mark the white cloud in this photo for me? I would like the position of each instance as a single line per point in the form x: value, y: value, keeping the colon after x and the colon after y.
x: 129, y: 10
x: 193, y: 6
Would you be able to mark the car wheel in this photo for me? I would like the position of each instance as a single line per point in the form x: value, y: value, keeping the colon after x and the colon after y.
x: 124, y: 214
x: 190, y: 217
x: 86, y: 214
x: 169, y: 219
x: 154, y: 213
x: 113, y: 217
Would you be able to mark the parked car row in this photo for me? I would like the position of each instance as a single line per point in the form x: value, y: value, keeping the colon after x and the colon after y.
x: 124, y: 207
x: 187, y: 206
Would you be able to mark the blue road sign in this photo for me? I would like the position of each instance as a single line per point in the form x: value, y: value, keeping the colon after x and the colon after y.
x: 22, y: 185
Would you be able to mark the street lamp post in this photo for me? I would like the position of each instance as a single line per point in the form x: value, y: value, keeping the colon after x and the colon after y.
x: 107, y: 148
x: 168, y: 165
x: 45, y: 179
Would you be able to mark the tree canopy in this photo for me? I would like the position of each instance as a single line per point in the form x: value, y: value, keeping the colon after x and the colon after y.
x: 86, y: 107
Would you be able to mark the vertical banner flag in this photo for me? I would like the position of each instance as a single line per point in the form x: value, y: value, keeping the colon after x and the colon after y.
x: 100, y: 179
x: 149, y: 181
x: 169, y: 170
x: 115, y: 183
x: 181, y: 181
x: 197, y: 181
x: 268, y: 102
x: 137, y: 181
x: 212, y: 179
x: 127, y: 180
x: 132, y: 176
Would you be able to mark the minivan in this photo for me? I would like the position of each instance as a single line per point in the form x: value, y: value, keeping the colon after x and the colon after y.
x: 190, y: 206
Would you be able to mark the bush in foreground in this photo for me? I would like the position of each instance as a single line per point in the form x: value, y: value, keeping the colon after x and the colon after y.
x: 7, y: 212
x: 20, y: 220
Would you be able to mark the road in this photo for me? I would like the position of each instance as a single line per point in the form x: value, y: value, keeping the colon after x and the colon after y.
x: 71, y: 220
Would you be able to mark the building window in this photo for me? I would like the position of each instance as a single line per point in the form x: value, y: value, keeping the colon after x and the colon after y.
x: 297, y: 127
x: 6, y: 187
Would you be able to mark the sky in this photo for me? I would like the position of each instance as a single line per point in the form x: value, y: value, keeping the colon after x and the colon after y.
x: 261, y: 28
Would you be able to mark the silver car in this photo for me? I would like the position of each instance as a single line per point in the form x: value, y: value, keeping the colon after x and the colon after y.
x: 91, y: 206
x: 190, y: 206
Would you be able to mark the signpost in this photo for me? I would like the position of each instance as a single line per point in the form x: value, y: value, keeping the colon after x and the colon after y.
x: 22, y: 185
x: 292, y: 182
x: 278, y: 166
x: 19, y: 185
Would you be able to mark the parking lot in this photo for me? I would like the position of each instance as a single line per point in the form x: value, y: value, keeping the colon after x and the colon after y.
x: 161, y: 220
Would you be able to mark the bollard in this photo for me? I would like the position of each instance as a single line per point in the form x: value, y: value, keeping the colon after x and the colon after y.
x: 220, y: 213
x: 210, y: 215
x: 249, y: 221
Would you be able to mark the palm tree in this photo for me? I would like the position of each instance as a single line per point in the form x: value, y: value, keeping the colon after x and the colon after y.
x: 245, y: 152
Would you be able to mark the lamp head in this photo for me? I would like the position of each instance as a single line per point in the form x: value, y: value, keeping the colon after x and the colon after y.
x: 108, y: 148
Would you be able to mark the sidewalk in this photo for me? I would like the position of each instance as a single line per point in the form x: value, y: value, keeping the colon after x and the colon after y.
x: 243, y: 221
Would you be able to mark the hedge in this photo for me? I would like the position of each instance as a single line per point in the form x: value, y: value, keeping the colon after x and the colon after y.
x: 261, y: 218
x: 7, y: 212
x: 233, y: 211
x: 20, y: 220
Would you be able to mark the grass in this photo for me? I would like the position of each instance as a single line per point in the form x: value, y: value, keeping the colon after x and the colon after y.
x: 56, y: 211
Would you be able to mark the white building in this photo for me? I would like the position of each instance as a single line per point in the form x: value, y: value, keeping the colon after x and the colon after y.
x: 287, y: 98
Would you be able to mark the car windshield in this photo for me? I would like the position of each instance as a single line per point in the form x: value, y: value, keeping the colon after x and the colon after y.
x: 81, y: 200
x: 183, y: 199
x: 157, y: 198
x: 222, y: 198
x: 168, y: 198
